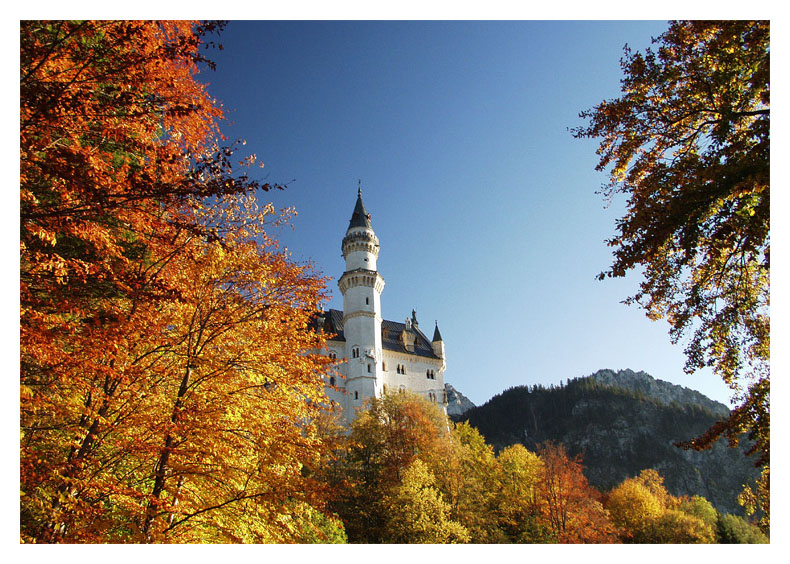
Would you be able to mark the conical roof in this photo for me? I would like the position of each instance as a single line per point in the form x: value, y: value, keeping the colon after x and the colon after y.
x: 436, y: 335
x: 360, y: 217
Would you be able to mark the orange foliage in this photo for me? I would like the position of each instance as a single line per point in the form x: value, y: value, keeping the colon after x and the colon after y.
x: 168, y: 388
x: 569, y: 505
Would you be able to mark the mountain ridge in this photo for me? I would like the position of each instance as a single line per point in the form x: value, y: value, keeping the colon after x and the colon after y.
x: 622, y: 422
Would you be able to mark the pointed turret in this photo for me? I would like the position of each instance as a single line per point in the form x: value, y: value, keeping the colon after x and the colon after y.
x: 360, y: 217
x: 437, y: 337
x: 437, y: 343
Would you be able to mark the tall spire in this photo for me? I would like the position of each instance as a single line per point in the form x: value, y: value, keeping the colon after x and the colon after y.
x: 360, y: 217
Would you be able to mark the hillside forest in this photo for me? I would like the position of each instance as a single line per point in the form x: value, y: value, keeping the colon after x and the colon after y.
x: 171, y: 382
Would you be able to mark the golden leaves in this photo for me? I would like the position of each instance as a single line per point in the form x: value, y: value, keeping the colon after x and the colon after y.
x: 688, y: 143
x: 167, y: 376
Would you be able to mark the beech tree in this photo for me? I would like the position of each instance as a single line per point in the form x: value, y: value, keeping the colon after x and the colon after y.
x: 634, y: 509
x: 645, y: 512
x: 418, y: 513
x: 517, y: 501
x: 688, y: 144
x: 466, y: 472
x: 169, y: 381
x: 387, y: 436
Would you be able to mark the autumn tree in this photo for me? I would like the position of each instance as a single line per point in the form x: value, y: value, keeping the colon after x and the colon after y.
x: 688, y: 144
x: 168, y: 376
x: 418, y: 513
x: 386, y: 437
x: 203, y: 427
x: 466, y: 471
x: 645, y: 512
x: 570, y: 507
x: 517, y: 502
x: 634, y: 509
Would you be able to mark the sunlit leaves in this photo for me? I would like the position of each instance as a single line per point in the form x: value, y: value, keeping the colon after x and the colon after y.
x: 645, y: 512
x: 169, y: 379
x: 688, y: 144
x: 418, y: 513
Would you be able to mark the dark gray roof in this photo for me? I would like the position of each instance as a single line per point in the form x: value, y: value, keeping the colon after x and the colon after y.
x: 331, y: 321
x: 390, y: 334
x: 436, y: 335
x: 360, y: 217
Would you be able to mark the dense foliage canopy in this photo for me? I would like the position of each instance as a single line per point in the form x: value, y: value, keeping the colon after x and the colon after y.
x: 688, y: 143
x: 434, y: 482
x: 167, y: 383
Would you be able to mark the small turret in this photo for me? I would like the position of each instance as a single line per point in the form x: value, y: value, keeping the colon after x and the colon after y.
x: 437, y: 343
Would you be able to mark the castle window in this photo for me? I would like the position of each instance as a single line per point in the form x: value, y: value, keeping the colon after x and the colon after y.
x: 333, y: 355
x: 356, y: 395
x: 367, y: 301
x: 368, y: 368
x: 332, y: 381
x: 355, y: 352
x: 383, y: 366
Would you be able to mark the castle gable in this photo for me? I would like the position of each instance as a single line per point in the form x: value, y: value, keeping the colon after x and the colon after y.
x: 391, y: 339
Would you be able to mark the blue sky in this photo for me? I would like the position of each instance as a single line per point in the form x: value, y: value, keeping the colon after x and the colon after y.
x: 484, y: 204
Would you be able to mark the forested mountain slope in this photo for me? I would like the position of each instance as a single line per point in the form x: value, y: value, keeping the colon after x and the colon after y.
x: 622, y: 422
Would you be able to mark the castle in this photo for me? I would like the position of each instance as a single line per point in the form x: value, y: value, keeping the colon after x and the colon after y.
x: 379, y: 356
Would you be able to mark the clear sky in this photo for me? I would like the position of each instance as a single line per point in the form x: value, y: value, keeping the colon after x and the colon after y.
x: 484, y: 204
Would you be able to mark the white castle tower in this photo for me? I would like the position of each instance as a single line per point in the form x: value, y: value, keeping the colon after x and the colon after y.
x: 379, y: 356
x: 361, y: 286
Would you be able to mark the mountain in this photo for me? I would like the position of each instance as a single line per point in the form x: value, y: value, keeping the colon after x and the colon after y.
x: 457, y: 403
x: 621, y: 423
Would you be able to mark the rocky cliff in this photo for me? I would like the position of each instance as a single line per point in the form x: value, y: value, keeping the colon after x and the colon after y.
x: 457, y: 403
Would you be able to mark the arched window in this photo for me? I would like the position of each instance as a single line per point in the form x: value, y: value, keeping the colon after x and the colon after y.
x: 368, y: 368
x: 332, y: 381
x: 355, y: 352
